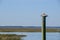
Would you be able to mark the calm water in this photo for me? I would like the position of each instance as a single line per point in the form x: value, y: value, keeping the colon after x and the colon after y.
x: 36, y: 35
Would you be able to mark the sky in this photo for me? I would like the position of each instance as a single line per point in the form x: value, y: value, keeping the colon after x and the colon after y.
x: 28, y: 12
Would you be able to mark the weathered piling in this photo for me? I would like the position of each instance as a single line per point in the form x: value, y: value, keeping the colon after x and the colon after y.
x: 44, y: 26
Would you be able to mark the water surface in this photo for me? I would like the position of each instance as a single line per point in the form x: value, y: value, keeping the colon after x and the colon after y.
x: 36, y: 35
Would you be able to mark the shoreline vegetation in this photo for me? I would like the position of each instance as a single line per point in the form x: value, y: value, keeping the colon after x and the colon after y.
x: 11, y: 37
x: 28, y: 30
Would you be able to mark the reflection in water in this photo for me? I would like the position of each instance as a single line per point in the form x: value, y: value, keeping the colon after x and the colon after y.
x: 59, y: 36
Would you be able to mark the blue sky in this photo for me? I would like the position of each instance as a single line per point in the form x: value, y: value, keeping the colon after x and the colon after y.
x: 28, y: 12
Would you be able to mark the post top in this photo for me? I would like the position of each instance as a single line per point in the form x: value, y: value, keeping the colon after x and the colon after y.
x: 44, y: 15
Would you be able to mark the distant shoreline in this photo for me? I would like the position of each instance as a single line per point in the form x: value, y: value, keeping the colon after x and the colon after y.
x: 28, y: 26
x: 28, y: 30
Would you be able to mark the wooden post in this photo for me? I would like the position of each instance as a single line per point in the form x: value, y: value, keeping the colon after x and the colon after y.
x: 44, y: 26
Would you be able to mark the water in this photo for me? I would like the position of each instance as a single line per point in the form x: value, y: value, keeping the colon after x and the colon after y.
x: 36, y: 35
